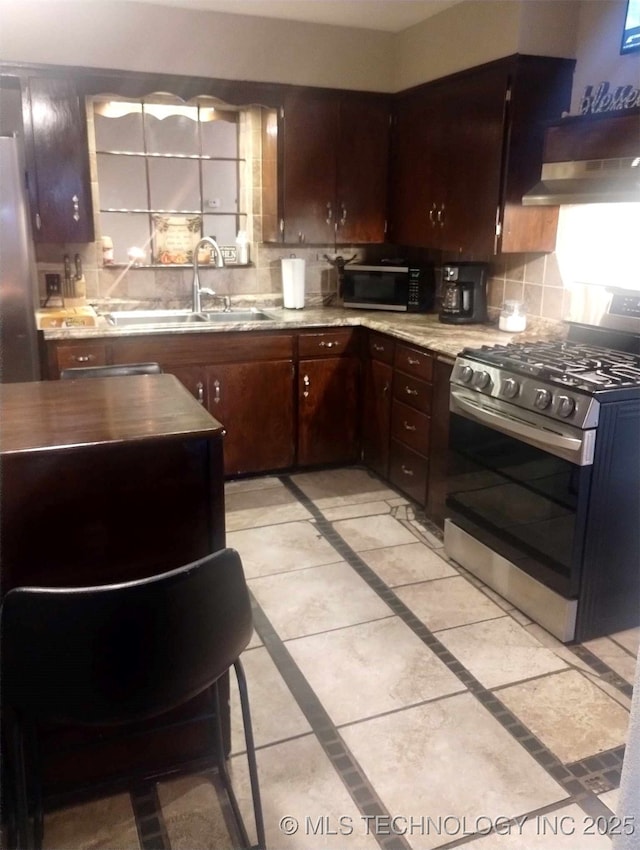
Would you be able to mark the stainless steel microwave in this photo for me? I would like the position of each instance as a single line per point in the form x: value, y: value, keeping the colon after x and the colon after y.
x: 407, y: 289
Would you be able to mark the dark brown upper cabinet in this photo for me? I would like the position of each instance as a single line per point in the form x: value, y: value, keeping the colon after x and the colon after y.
x: 465, y: 150
x: 333, y: 159
x: 57, y: 150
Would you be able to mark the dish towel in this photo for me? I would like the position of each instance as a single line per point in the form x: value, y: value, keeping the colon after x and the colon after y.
x: 629, y: 800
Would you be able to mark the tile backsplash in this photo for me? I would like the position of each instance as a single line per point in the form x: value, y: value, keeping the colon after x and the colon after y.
x: 532, y: 278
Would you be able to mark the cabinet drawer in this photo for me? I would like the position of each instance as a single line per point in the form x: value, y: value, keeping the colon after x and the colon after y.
x: 174, y: 350
x: 81, y: 354
x: 381, y: 348
x: 408, y: 471
x: 410, y: 427
x: 340, y: 341
x: 414, y: 362
x: 412, y: 391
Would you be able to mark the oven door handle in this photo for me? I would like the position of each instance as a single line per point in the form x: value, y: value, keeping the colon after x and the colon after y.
x: 575, y: 450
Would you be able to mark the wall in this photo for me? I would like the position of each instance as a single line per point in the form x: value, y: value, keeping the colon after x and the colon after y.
x: 141, y: 37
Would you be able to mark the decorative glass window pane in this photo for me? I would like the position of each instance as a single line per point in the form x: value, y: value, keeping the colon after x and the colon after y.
x: 123, y: 182
x: 219, y: 186
x: 176, y: 134
x: 128, y: 230
x: 119, y: 134
x: 223, y: 227
x: 174, y: 185
x: 220, y: 138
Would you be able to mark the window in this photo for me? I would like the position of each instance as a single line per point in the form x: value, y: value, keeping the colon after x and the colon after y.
x: 169, y: 173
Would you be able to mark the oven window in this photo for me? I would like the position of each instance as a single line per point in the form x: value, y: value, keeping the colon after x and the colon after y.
x: 527, y: 505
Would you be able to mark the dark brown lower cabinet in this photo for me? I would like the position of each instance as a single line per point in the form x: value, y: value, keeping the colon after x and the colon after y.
x: 437, y: 492
x: 254, y: 402
x: 408, y: 471
x: 328, y: 403
x: 376, y: 415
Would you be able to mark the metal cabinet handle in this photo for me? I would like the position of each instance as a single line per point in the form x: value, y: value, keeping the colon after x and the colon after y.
x: 216, y: 392
x: 76, y: 208
x: 377, y: 347
x: 408, y: 427
x: 386, y: 388
x: 38, y: 221
x: 329, y: 217
x: 409, y: 391
x: 406, y: 470
x: 83, y: 358
x: 324, y: 344
x: 431, y: 212
x: 440, y: 215
x: 343, y: 217
x: 412, y: 361
x: 301, y: 236
x: 307, y: 384
x: 200, y: 392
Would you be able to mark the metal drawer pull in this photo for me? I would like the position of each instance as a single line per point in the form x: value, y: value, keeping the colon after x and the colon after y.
x: 409, y: 391
x: 307, y: 384
x: 76, y: 208
x: 84, y: 358
x: 408, y: 427
x: 200, y: 392
x: 412, y: 362
x: 406, y: 470
x: 324, y: 344
x: 386, y: 388
x: 216, y: 392
x: 377, y: 347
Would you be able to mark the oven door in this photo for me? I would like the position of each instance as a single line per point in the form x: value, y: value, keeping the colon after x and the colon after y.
x: 376, y: 288
x: 519, y: 487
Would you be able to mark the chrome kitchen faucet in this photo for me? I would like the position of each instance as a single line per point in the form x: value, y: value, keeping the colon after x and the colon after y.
x: 196, y: 289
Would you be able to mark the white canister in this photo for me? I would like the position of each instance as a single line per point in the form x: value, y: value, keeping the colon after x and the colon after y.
x: 513, y: 317
x: 293, y: 283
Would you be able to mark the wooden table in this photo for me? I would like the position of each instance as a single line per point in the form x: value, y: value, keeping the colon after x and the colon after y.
x: 107, y: 480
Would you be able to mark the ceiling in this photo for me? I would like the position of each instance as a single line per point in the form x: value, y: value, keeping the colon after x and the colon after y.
x: 385, y: 15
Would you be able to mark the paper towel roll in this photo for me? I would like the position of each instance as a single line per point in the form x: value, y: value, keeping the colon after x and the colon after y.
x: 293, y: 283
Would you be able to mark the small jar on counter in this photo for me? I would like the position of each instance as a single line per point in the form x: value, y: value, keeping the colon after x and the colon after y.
x: 513, y: 317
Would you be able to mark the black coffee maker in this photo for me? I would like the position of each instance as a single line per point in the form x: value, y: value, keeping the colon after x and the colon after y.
x: 464, y: 293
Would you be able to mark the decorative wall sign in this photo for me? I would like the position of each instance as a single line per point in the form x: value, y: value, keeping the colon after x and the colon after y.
x: 606, y: 99
x: 175, y: 237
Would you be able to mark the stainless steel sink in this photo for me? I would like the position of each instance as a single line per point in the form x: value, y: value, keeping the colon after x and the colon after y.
x: 131, y: 318
x: 154, y: 317
x: 236, y: 316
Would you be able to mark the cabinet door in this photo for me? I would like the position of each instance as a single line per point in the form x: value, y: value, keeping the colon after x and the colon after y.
x: 254, y: 402
x: 194, y: 379
x: 376, y: 413
x: 328, y: 410
x: 308, y: 160
x: 58, y: 161
x: 363, y: 154
x: 473, y: 121
x: 413, y: 170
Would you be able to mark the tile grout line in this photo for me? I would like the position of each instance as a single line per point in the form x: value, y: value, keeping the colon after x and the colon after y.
x: 343, y: 761
x: 572, y: 784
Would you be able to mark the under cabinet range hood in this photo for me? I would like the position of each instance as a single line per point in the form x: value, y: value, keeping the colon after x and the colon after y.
x: 590, y: 159
x: 594, y: 181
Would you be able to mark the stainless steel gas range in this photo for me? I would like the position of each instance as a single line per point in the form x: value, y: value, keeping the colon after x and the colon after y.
x: 544, y: 478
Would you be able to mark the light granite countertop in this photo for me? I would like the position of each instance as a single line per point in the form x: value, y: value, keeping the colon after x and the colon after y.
x: 423, y: 329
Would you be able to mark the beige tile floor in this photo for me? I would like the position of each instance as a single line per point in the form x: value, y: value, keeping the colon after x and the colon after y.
x: 433, y: 730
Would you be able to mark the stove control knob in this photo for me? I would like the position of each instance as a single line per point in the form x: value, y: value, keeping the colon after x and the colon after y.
x: 542, y: 399
x: 466, y: 373
x: 510, y: 388
x: 482, y: 380
x: 566, y: 406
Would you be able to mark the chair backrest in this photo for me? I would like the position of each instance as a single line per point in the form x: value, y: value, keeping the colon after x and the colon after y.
x: 124, y: 652
x: 110, y: 371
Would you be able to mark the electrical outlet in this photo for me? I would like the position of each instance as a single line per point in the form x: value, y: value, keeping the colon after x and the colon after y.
x: 53, y: 284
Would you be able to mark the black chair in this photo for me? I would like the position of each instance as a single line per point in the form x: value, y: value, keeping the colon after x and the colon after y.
x: 110, y: 371
x: 118, y: 654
